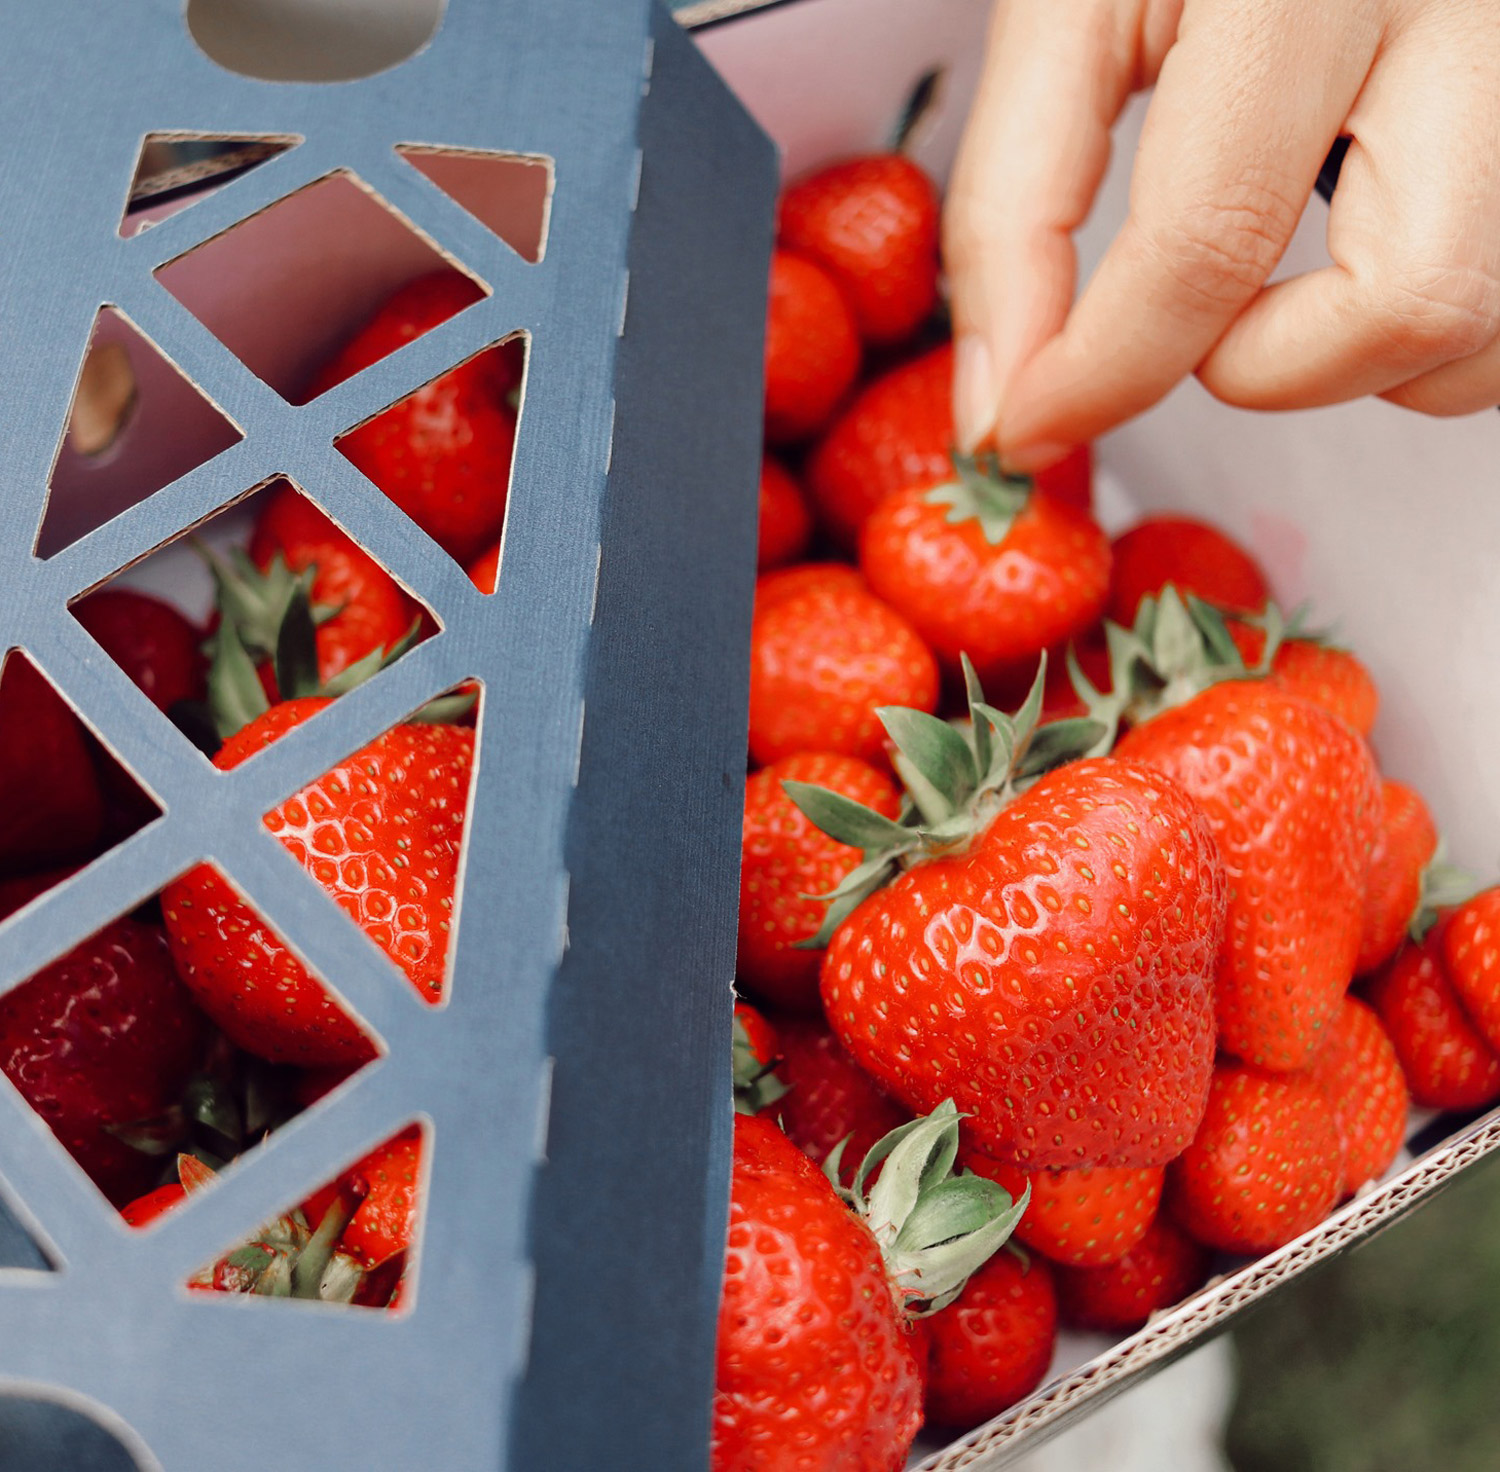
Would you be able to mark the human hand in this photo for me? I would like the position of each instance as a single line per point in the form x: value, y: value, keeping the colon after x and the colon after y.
x: 1249, y: 99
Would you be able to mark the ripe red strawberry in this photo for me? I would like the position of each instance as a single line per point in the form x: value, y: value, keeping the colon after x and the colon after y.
x: 982, y: 566
x: 1446, y: 1060
x: 381, y: 832
x: 824, y: 653
x: 484, y: 571
x: 51, y: 808
x: 385, y: 1183
x: 1194, y: 556
x: 818, y: 1368
x: 1471, y: 956
x: 993, y: 1346
x: 812, y: 348
x: 1159, y: 1271
x: 192, y: 1175
x: 103, y: 1038
x: 1360, y: 1075
x: 443, y: 453
x: 756, y: 1054
x: 1265, y: 1165
x: 150, y: 640
x: 1329, y: 677
x: 1084, y: 1217
x: 18, y: 891
x: 785, y: 521
x: 872, y: 224
x: 785, y: 861
x: 1406, y: 841
x: 829, y: 1098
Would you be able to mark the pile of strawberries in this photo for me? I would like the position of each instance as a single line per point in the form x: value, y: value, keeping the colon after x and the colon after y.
x: 179, y: 1036
x: 1076, y: 848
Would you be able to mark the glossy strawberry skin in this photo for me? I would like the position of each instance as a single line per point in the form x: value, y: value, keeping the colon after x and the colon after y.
x: 1360, y: 1076
x: 1331, y: 678
x: 1471, y: 956
x: 1002, y: 605
x: 1083, y: 1217
x: 829, y: 1096
x: 1194, y: 556
x: 825, y: 652
x: 1160, y: 1270
x: 785, y: 520
x: 381, y: 831
x: 991, y: 1347
x: 1293, y: 797
x: 374, y: 613
x: 104, y: 1036
x: 154, y: 1204
x: 816, y: 1369
x: 812, y: 348
x: 1265, y: 1165
x: 1406, y: 840
x: 387, y: 1181
x: 783, y: 860
x: 1056, y: 980
x: 1447, y: 1062
x: 872, y: 223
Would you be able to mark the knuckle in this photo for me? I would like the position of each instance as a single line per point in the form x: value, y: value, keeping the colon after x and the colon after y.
x: 1443, y: 311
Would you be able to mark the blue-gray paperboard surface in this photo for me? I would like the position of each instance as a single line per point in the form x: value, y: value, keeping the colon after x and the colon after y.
x: 623, y: 603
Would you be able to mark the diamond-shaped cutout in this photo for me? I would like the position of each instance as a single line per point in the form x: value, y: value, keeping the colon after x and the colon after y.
x: 280, y: 289
x: 64, y: 798
x: 174, y: 170
x: 444, y: 453
x: 354, y: 1241
x: 510, y: 193
x: 136, y: 423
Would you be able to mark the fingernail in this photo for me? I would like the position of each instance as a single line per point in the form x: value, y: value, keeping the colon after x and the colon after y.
x: 974, y: 400
x: 1028, y: 459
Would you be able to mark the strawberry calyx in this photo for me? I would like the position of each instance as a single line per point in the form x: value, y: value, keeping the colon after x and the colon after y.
x: 1444, y: 885
x: 982, y: 492
x: 756, y: 1084
x: 957, y: 778
x: 935, y: 1228
x: 256, y: 600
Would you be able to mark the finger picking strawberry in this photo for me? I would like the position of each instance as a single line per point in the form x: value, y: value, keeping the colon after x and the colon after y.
x: 812, y: 348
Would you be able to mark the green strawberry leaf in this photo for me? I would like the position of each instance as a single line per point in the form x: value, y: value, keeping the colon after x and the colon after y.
x: 844, y: 819
x: 937, y: 753
x: 297, y: 651
x: 235, y: 694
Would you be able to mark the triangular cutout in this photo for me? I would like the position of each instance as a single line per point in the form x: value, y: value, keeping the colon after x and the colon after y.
x: 174, y: 170
x: 355, y: 1241
x: 509, y: 193
x: 19, y: 1250
x: 135, y: 424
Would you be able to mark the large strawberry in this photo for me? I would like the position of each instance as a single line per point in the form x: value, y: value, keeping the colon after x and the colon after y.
x: 984, y: 566
x: 1293, y: 798
x: 872, y: 223
x: 104, y: 1038
x: 1043, y: 947
x: 1360, y: 1075
x: 818, y: 1368
x: 381, y: 832
x: 812, y: 348
x: 786, y: 862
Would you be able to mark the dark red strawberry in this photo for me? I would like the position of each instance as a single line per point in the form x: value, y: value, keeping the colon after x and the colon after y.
x: 1360, y: 1075
x: 872, y: 224
x: 812, y: 348
x: 159, y: 650
x: 104, y: 1038
x: 1406, y: 841
x: 381, y: 831
x: 993, y: 1346
x: 785, y: 862
x: 1160, y: 1270
x: 756, y: 1053
x: 1471, y: 956
x: 1193, y: 556
x: 1265, y: 1165
x: 19, y: 891
x: 785, y: 521
x: 484, y: 571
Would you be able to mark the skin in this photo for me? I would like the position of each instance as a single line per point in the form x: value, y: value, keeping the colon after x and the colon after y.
x: 1248, y: 101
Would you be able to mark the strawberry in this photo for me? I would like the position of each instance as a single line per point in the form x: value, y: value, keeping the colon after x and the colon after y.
x: 443, y: 453
x: 1265, y: 1164
x: 1360, y: 1076
x: 824, y: 653
x: 159, y: 650
x: 812, y: 348
x: 1292, y: 795
x: 785, y: 521
x: 757, y: 1054
x: 828, y: 1096
x: 1317, y: 671
x: 872, y: 224
x: 1043, y: 947
x: 1193, y: 556
x: 785, y: 862
x: 818, y: 1369
x: 993, y: 1346
x: 1471, y: 956
x: 51, y: 808
x: 381, y: 831
x: 18, y: 891
x: 982, y: 566
x: 385, y: 1184
x: 1160, y: 1270
x: 484, y: 571
x: 103, y: 1038
x: 1447, y: 1062
x: 1406, y: 841
x: 1084, y: 1217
